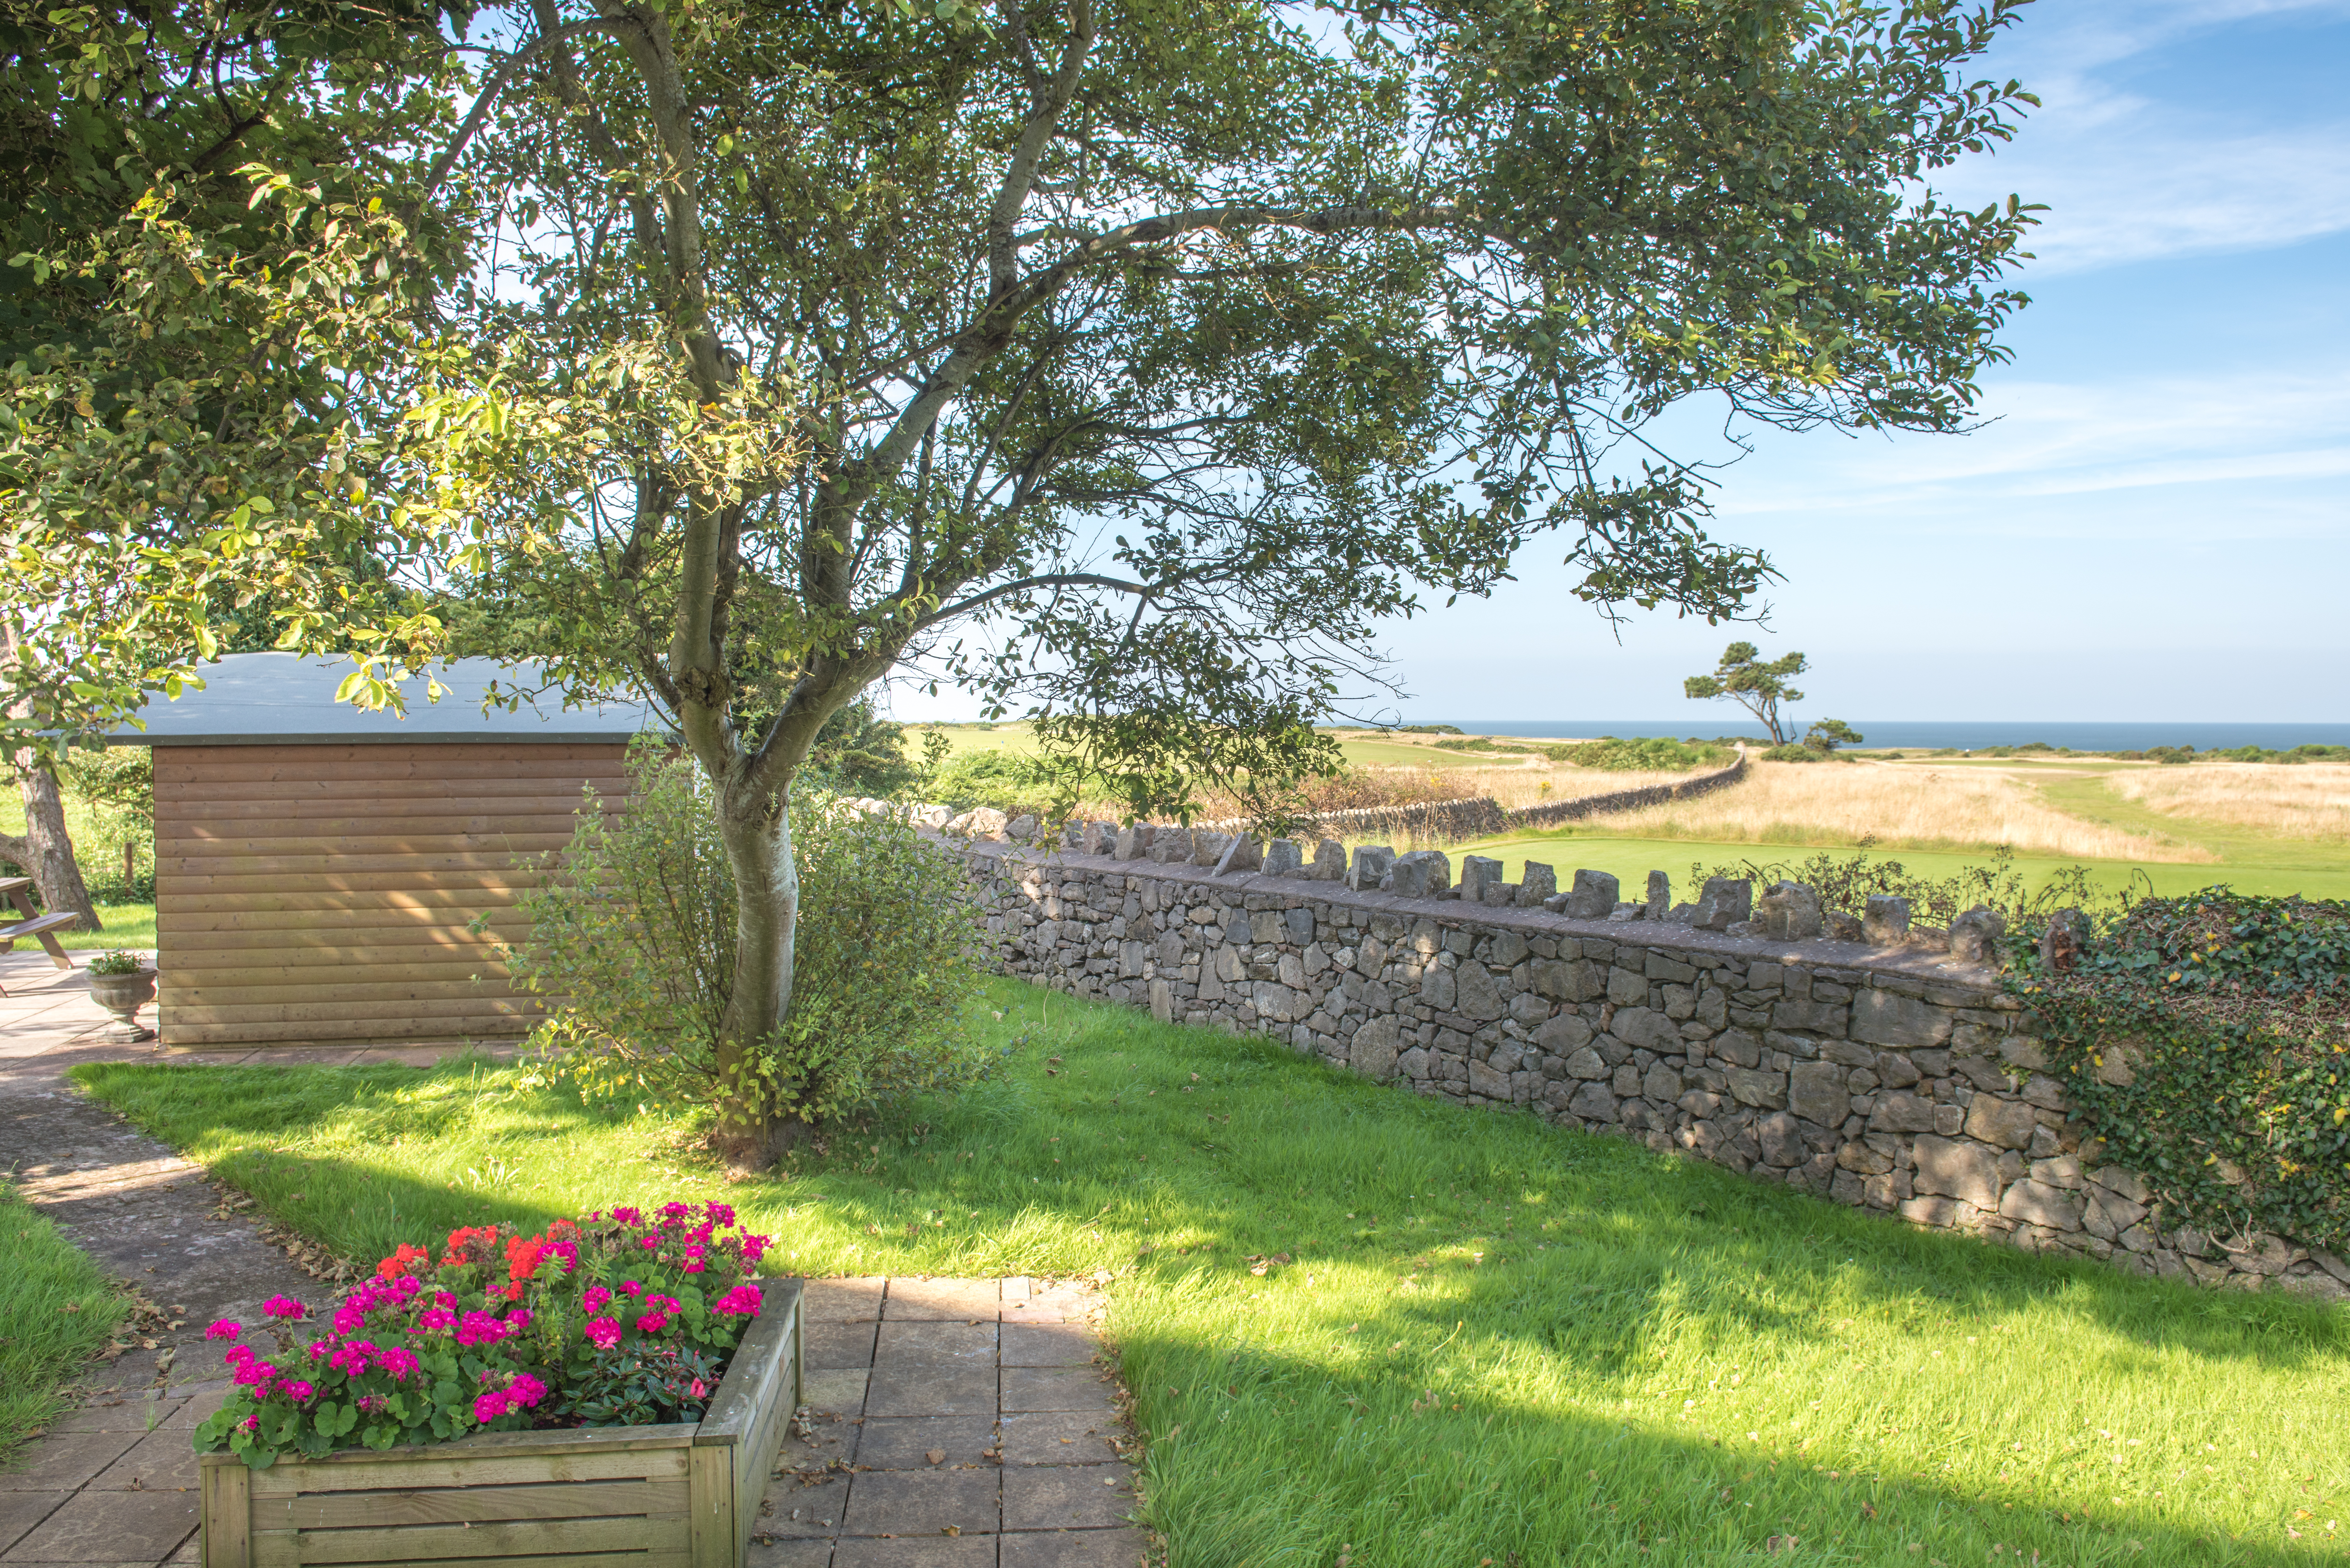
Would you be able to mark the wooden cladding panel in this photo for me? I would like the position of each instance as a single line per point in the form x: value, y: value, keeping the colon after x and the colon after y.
x: 325, y: 893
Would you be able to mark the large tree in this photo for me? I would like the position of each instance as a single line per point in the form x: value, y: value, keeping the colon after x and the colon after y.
x: 1133, y: 358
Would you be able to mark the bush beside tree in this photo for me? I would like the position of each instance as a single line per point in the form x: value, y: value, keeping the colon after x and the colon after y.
x: 633, y: 942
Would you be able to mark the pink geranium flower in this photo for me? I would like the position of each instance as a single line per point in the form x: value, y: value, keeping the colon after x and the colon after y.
x: 743, y: 1300
x: 224, y: 1329
x: 604, y: 1333
x: 284, y: 1306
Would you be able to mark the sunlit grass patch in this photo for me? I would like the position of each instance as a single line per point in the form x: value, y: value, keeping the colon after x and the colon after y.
x: 1473, y: 1334
x: 57, y: 1311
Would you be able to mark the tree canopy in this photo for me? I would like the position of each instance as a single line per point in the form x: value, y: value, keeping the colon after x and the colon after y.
x: 1129, y: 359
x: 1754, y: 683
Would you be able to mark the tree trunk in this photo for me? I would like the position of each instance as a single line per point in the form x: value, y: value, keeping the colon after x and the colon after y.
x: 46, y: 852
x: 752, y: 1131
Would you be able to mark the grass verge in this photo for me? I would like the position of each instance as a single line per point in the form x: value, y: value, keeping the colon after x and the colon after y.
x: 1477, y: 1337
x: 1630, y: 860
x: 57, y: 1311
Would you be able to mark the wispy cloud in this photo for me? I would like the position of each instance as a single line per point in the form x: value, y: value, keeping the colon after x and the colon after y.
x: 2266, y: 438
x: 2128, y: 178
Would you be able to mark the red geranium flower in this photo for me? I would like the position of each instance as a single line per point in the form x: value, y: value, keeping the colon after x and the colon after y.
x: 391, y: 1268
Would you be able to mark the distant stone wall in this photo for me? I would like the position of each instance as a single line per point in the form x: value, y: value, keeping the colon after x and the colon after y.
x: 1891, y: 1080
x: 1482, y: 816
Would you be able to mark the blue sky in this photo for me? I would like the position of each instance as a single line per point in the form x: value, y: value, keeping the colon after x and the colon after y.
x: 2154, y: 524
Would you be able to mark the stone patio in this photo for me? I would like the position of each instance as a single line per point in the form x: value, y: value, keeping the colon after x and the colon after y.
x: 954, y: 1422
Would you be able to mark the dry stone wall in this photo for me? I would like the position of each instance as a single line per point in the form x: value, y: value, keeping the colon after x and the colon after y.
x: 1898, y: 1081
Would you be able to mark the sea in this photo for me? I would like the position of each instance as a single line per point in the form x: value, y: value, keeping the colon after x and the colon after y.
x: 1926, y: 735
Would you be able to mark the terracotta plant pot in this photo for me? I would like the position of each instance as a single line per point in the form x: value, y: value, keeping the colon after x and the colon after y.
x: 123, y: 995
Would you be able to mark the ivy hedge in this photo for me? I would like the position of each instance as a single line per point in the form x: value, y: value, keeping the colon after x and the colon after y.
x: 2206, y: 1039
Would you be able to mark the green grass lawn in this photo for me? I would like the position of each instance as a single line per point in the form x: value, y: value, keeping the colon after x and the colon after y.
x: 1480, y: 1337
x: 2314, y: 872
x: 127, y: 926
x: 57, y: 1311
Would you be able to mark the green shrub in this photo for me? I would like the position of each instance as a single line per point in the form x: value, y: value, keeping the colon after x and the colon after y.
x: 2204, y: 1039
x: 1005, y: 780
x: 1659, y: 754
x: 633, y: 942
x: 858, y: 752
x: 1847, y: 881
x: 1795, y: 753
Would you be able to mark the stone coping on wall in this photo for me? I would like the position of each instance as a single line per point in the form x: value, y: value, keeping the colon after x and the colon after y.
x: 1893, y: 1079
x: 1922, y: 964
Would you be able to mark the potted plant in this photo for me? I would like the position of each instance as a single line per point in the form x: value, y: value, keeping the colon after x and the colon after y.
x: 618, y: 1382
x: 122, y: 984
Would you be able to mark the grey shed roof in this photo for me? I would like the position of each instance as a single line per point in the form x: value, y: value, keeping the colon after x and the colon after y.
x: 280, y: 698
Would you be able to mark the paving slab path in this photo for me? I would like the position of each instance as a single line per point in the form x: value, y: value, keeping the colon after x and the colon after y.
x: 956, y: 1423
x: 951, y: 1423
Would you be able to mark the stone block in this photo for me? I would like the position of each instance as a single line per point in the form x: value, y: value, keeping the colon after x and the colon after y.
x: 1171, y: 845
x: 1829, y: 1017
x: 1816, y: 1092
x: 1422, y: 873
x: 2037, y: 1203
x: 1592, y: 1103
x: 1789, y: 912
x: 2008, y: 1124
x: 1134, y: 841
x: 1757, y: 1087
x: 1593, y: 897
x: 1861, y: 1159
x: 1486, y: 1080
x: 2128, y: 1184
x: 1438, y: 988
x: 1737, y: 1046
x: 1330, y: 862
x: 1781, y: 1139
x: 1967, y: 1171
x: 1284, y: 858
x: 1900, y: 1112
x: 1477, y: 993
x: 1371, y: 864
x: 1645, y: 1028
x: 1975, y: 936
x: 1939, y: 1213
x: 1887, y: 1018
x: 1539, y: 884
x: 1569, y: 980
x: 1587, y: 1064
x: 1564, y: 1034
x: 2060, y: 1170
x: 1628, y: 987
x: 1527, y: 1009
x: 1661, y: 1084
x: 1885, y: 921
x: 1478, y: 872
x: 1659, y: 903
x: 1725, y: 902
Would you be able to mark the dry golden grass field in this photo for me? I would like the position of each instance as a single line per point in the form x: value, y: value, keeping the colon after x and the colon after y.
x: 2310, y: 801
x: 1842, y: 803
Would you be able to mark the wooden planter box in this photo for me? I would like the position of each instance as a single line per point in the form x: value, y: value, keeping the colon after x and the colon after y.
x: 679, y: 1496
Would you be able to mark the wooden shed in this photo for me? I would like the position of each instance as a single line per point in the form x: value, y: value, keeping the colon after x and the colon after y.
x: 317, y: 868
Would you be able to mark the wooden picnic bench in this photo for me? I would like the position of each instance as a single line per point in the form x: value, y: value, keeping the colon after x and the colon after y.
x: 19, y: 892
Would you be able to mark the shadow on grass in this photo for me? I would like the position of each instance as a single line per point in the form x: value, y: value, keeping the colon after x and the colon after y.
x: 1565, y: 1293
x: 1262, y: 1459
